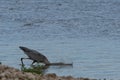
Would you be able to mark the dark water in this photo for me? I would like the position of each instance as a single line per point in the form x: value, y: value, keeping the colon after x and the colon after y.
x: 85, y: 32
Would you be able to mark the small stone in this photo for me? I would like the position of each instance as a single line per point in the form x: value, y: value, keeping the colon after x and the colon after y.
x: 30, y: 75
x: 53, y: 75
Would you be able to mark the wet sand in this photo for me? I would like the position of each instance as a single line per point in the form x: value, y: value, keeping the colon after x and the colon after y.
x: 10, y: 73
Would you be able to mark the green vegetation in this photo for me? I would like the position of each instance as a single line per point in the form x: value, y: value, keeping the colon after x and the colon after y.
x: 39, y: 69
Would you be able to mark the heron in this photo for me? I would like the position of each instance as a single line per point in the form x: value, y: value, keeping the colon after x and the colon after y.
x: 34, y: 55
x: 37, y: 57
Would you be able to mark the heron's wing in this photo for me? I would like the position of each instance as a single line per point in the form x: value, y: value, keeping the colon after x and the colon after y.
x: 35, y: 55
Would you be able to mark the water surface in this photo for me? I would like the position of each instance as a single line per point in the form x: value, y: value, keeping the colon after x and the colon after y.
x: 85, y: 32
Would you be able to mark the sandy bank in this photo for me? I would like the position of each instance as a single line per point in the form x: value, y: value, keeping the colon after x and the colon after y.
x: 10, y: 73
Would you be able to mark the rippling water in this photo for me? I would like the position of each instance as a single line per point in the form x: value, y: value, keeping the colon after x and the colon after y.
x: 85, y: 32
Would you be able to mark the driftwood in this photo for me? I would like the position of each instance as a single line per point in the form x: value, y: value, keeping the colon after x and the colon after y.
x: 59, y: 64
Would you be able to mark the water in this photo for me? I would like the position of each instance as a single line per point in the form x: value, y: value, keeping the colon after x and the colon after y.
x: 85, y: 32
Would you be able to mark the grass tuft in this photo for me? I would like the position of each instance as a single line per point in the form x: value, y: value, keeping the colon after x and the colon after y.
x: 33, y: 69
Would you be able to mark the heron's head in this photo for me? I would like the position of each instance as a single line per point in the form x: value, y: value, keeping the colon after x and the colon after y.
x: 23, y: 48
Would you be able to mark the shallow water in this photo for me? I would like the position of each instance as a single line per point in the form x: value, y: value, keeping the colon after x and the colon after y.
x: 86, y: 33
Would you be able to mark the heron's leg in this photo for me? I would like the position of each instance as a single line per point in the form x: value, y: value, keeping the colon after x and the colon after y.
x: 22, y: 60
x: 33, y: 62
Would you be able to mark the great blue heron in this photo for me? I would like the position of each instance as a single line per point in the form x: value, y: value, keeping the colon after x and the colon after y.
x: 37, y: 57
x: 34, y: 55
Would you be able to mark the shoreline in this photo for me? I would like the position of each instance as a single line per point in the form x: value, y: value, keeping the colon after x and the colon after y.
x: 11, y: 73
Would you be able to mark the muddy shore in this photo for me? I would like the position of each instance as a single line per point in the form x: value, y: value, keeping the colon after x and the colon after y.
x: 10, y: 73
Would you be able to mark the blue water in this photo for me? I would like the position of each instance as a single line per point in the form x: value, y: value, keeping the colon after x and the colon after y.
x: 85, y: 32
